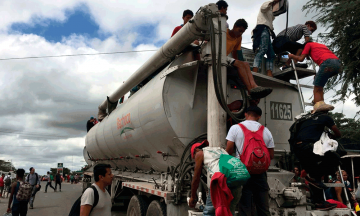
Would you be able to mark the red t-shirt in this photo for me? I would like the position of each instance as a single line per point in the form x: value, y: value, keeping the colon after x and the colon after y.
x: 1, y: 182
x: 176, y: 29
x: 318, y: 52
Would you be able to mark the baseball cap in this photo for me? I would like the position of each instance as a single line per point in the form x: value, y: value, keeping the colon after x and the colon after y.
x: 92, y: 117
x: 198, y: 145
x: 254, y: 109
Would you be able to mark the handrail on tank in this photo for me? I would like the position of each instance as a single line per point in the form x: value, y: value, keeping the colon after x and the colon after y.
x: 193, y: 30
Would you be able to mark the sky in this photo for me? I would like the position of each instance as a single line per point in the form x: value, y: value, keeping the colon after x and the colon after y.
x: 46, y: 102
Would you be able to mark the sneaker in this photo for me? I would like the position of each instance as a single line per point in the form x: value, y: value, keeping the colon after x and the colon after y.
x: 31, y: 206
x: 325, y: 206
x: 45, y: 192
x: 60, y: 190
x: 315, y: 183
x: 260, y: 92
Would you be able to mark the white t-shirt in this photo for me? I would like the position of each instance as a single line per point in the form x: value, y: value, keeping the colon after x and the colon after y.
x: 104, y: 205
x: 236, y: 135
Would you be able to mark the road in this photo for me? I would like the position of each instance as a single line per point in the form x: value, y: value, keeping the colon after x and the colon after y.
x: 55, y: 203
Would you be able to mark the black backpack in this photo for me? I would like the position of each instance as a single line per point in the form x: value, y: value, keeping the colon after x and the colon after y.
x: 294, y: 129
x: 75, y: 209
x: 8, y: 181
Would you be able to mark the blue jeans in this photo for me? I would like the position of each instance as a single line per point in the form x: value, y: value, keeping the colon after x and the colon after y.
x: 209, y: 209
x: 265, y: 48
x: 328, y: 68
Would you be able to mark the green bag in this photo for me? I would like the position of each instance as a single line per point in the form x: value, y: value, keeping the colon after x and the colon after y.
x: 234, y: 170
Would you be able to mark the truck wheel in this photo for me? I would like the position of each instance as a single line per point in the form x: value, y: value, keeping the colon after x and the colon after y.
x: 156, y: 208
x: 137, y: 206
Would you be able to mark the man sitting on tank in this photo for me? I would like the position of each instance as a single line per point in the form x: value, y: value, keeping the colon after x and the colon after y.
x: 304, y: 133
x: 233, y: 46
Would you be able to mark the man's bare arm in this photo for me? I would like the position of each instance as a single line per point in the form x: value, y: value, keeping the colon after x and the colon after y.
x: 336, y: 131
x: 85, y: 210
x: 297, y: 58
x: 199, y: 160
x: 230, y: 147
x: 271, y: 152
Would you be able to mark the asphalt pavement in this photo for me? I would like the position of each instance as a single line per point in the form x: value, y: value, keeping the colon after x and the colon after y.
x: 55, y: 203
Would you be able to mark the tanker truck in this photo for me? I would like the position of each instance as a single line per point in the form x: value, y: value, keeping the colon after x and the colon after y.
x: 183, y: 97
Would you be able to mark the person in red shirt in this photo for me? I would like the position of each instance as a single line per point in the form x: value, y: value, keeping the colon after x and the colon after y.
x: 2, y: 184
x: 330, y: 66
x: 187, y: 15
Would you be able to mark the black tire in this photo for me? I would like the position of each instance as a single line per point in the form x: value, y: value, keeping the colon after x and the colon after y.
x: 156, y: 208
x: 137, y: 206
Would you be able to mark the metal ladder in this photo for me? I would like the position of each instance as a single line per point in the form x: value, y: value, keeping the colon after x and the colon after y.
x: 300, y: 85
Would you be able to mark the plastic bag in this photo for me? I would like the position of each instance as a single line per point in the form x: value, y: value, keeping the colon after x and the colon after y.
x: 325, y: 144
x: 7, y: 214
x: 234, y: 170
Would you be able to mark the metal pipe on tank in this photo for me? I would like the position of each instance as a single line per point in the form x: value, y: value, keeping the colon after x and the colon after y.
x: 191, y: 31
x: 216, y: 127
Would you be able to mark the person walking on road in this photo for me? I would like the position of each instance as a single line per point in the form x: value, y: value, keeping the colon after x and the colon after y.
x: 2, y: 185
x: 7, y: 184
x: 34, y: 180
x: 19, y: 208
x: 72, y: 179
x: 58, y: 180
x: 49, y: 183
x: 103, y: 178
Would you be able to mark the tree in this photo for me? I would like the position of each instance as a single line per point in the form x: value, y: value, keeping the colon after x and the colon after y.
x: 350, y: 131
x: 342, y: 19
x: 53, y: 171
x: 6, y: 166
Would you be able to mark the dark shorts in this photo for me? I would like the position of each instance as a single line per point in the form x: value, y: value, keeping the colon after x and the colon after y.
x: 292, y: 47
x: 328, y: 68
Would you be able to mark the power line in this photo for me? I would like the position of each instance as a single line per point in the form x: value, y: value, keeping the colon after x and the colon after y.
x: 7, y: 131
x: 72, y: 55
x: 82, y: 54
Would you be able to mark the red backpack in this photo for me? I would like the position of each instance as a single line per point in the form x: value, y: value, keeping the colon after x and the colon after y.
x: 255, y: 154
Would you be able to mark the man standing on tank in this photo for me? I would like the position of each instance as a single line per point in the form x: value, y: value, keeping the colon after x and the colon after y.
x: 261, y: 37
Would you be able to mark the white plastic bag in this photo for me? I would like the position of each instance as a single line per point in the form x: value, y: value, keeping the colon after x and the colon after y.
x: 325, y: 144
x: 211, y: 159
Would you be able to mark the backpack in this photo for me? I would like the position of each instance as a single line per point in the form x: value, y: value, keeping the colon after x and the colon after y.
x: 294, y: 129
x: 255, y: 154
x: 24, y: 192
x: 75, y: 209
x: 36, y: 180
x: 7, y: 181
x: 28, y: 177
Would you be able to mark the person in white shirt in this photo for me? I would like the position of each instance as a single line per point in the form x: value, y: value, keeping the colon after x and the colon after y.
x: 261, y: 37
x: 257, y: 186
x: 103, y: 178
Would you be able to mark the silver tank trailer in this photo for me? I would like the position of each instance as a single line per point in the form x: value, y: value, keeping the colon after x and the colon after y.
x: 170, y: 111
x: 164, y: 115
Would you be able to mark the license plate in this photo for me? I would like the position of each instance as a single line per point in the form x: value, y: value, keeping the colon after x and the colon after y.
x: 281, y: 111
